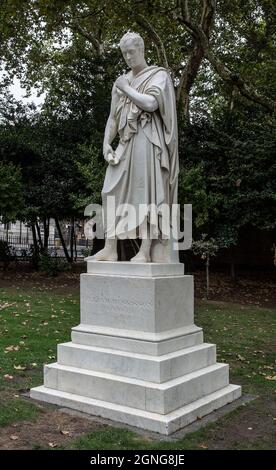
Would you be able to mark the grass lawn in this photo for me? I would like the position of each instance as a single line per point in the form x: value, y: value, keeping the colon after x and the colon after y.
x: 34, y: 320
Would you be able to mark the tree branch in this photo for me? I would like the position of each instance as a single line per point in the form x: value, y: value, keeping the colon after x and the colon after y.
x: 144, y: 23
x: 201, y: 34
x: 190, y: 72
x: 246, y: 90
x: 185, y: 11
x: 192, y: 29
x: 91, y: 13
x: 207, y: 16
x: 96, y: 44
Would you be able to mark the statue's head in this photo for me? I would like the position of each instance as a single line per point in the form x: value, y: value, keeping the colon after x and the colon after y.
x: 132, y: 47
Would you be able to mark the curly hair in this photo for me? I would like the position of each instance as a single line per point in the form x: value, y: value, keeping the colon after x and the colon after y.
x: 132, y: 36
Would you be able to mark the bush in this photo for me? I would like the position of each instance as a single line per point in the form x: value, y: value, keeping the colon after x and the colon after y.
x: 51, y: 265
x: 87, y: 251
x: 7, y: 254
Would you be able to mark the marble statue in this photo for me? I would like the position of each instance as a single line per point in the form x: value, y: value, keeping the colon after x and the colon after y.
x: 143, y: 170
x: 137, y: 356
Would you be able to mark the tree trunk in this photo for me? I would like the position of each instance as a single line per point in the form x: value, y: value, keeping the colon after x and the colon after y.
x: 62, y: 241
x: 207, y: 276
x: 201, y: 34
x: 46, y: 223
x: 72, y: 239
x: 233, y: 276
x: 35, y: 257
x: 233, y: 271
x: 38, y: 233
x: 75, y: 246
x: 187, y: 79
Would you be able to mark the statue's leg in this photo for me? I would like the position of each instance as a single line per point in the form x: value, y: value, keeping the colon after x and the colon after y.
x: 143, y: 255
x: 109, y: 252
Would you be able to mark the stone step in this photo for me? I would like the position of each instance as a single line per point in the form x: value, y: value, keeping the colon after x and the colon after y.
x: 125, y: 268
x: 164, y: 424
x: 139, y: 366
x: 157, y: 398
x: 153, y: 344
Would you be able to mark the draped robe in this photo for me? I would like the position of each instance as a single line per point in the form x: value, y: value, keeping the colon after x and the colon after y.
x: 148, y: 167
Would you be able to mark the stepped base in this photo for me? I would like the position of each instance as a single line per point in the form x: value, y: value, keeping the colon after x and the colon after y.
x: 137, y: 357
x: 163, y: 424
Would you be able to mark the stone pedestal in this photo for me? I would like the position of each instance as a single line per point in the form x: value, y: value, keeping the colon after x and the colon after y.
x: 137, y: 357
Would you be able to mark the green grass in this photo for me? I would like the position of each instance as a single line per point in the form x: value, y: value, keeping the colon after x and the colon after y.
x: 30, y: 329
x: 17, y: 410
x: 35, y: 321
x: 245, y: 338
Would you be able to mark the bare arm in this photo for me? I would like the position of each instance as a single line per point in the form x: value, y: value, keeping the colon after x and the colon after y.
x: 143, y: 101
x: 111, y: 127
x: 146, y: 102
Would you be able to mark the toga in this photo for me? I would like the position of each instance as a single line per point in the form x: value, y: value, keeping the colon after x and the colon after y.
x: 148, y: 170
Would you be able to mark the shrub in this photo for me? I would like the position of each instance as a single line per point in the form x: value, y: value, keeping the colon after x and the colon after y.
x: 51, y: 265
x: 7, y: 254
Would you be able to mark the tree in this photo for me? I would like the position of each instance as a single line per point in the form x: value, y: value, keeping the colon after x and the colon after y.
x: 186, y: 36
x: 11, y: 200
x: 219, y: 56
x: 206, y: 248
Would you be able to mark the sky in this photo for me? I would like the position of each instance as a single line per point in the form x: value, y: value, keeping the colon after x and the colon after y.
x: 19, y: 92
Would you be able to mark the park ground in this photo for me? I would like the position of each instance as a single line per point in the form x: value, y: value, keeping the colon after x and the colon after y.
x: 36, y: 313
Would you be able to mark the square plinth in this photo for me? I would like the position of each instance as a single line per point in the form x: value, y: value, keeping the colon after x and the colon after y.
x: 137, y: 357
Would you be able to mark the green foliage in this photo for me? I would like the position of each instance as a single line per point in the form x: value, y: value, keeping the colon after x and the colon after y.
x: 51, y: 265
x: 11, y: 200
x: 192, y: 190
x: 91, y: 165
x: 228, y: 173
x: 204, y: 247
x: 69, y: 51
x: 86, y: 251
x: 7, y: 253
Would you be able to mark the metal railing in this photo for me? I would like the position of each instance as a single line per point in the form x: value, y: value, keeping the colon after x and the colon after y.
x: 23, y: 240
x: 22, y: 245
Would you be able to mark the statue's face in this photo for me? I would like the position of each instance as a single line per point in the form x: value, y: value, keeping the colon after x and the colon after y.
x: 132, y: 53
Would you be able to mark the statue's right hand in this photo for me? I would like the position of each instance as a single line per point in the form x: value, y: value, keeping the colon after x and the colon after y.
x: 106, y: 150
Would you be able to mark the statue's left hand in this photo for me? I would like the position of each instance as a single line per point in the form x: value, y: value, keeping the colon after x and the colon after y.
x: 122, y: 83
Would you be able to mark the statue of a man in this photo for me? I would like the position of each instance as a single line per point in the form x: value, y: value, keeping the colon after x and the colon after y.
x: 143, y: 170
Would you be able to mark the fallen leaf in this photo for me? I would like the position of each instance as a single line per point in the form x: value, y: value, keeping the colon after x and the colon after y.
x: 52, y: 444
x: 241, y: 358
x: 270, y: 377
x: 12, y: 348
x: 19, y: 367
x: 13, y: 437
x: 6, y: 305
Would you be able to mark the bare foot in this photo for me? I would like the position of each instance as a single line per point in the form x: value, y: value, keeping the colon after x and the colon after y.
x: 140, y: 258
x: 106, y: 254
